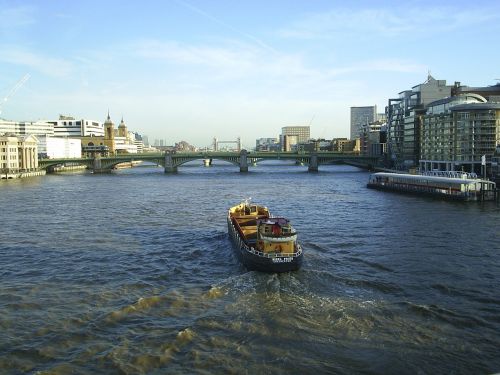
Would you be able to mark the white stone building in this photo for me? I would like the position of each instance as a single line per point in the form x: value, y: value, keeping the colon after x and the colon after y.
x: 18, y: 153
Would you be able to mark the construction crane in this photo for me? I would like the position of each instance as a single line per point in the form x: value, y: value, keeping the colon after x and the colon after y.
x: 16, y: 87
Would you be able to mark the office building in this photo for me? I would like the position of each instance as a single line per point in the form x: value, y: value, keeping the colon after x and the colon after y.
x: 19, y: 128
x: 490, y: 93
x: 373, y: 139
x: 57, y: 147
x: 292, y: 135
x: 404, y: 119
x: 289, y: 143
x: 456, y: 133
x: 68, y: 126
x: 361, y: 116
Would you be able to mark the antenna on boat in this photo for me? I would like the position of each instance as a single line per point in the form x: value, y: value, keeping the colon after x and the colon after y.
x: 247, y: 201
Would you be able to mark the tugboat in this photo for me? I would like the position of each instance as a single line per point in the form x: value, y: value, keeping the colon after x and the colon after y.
x: 263, y: 242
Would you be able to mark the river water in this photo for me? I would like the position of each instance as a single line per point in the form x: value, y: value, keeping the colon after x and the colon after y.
x: 133, y: 273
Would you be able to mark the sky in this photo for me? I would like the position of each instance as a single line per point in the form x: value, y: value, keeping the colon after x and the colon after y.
x: 193, y: 70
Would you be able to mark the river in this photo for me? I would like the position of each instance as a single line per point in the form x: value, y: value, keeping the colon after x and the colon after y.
x: 133, y: 273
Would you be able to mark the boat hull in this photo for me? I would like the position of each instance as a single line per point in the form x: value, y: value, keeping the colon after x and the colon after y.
x: 453, y: 187
x: 402, y: 190
x: 255, y: 261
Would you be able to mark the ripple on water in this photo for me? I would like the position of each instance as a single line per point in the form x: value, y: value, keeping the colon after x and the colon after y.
x: 133, y: 278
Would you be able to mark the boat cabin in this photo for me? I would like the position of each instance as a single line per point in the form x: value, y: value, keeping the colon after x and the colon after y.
x: 275, y: 235
x: 252, y: 210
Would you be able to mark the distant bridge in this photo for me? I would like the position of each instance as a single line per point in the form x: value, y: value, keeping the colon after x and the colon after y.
x: 171, y: 161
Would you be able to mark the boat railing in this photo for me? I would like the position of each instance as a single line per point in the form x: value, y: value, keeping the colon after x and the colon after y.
x: 252, y: 250
x: 451, y: 174
x: 274, y: 255
x: 281, y: 235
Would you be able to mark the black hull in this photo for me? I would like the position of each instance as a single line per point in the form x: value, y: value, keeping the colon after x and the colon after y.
x: 254, y: 262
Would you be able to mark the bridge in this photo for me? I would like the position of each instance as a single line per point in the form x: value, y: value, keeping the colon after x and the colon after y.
x: 171, y: 161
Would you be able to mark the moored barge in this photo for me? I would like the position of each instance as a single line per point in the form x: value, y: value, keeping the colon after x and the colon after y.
x: 453, y: 188
x: 263, y: 242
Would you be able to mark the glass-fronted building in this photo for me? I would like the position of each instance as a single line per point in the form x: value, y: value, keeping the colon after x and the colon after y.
x: 457, y: 132
x: 361, y: 116
x: 404, y: 119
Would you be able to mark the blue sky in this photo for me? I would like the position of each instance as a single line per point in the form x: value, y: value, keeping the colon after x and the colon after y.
x: 193, y: 70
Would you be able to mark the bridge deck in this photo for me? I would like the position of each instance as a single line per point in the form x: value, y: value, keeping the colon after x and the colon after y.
x: 173, y: 160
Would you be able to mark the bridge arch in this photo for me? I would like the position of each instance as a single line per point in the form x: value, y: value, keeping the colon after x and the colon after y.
x: 180, y: 161
x: 47, y: 164
x: 170, y: 161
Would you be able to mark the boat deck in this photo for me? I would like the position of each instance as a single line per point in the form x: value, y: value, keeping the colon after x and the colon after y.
x: 247, y: 225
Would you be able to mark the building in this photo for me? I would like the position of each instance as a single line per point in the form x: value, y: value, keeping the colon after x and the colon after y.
x: 68, y: 126
x: 184, y: 146
x: 145, y: 140
x: 361, y: 116
x: 124, y: 140
x: 267, y: 144
x: 100, y: 145
x: 490, y: 93
x: 315, y: 145
x: 56, y: 147
x: 346, y: 145
x: 293, y: 135
x: 373, y: 139
x: 495, y: 165
x: 456, y: 133
x: 35, y: 128
x: 18, y: 153
x: 289, y: 142
x: 382, y: 117
x: 404, y: 118
x: 139, y: 141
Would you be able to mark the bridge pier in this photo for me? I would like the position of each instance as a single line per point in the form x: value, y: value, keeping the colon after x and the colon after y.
x: 243, y: 161
x: 97, y: 166
x: 169, y: 164
x: 313, y: 163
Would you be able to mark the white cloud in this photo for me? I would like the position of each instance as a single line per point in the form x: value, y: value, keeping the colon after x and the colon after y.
x: 45, y: 64
x: 390, y: 22
x: 244, y: 65
x: 380, y: 65
x: 231, y: 63
x: 16, y: 17
x: 174, y: 52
